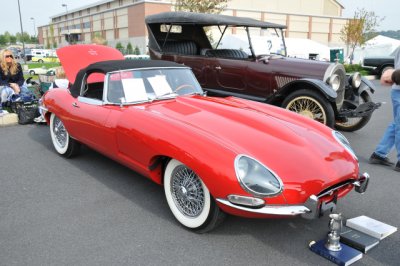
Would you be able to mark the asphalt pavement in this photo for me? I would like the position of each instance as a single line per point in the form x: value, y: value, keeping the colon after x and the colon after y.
x: 92, y: 211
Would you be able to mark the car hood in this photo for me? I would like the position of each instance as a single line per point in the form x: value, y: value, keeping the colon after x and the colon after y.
x: 298, y: 149
x: 297, y: 67
x: 75, y: 57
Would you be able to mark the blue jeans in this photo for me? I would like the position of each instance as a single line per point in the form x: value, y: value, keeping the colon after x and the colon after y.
x: 391, y: 138
x: 7, y: 92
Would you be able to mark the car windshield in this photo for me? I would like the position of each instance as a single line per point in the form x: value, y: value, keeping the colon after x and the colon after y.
x: 264, y: 41
x: 136, y: 86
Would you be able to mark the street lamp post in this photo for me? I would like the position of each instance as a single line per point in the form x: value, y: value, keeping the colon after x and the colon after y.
x: 66, y: 19
x: 34, y: 26
x: 22, y: 32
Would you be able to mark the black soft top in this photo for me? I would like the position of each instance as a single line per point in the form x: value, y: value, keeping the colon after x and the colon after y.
x: 203, y: 19
x: 116, y: 65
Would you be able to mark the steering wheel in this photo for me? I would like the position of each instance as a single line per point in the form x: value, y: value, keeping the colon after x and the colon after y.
x: 184, y: 86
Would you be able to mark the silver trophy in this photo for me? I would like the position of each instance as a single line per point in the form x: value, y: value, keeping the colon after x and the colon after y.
x: 335, y: 226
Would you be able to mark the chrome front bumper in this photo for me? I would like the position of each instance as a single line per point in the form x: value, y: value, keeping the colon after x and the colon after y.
x: 312, y: 208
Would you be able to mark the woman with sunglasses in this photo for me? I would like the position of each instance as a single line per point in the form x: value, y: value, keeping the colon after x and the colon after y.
x: 11, y: 76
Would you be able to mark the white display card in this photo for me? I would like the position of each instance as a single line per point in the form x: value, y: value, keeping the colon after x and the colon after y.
x: 160, y: 85
x: 134, y: 90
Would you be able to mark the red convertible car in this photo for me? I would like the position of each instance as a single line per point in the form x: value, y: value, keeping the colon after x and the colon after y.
x: 214, y: 156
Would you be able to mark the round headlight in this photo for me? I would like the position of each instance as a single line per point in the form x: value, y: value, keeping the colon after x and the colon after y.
x: 344, y: 142
x: 334, y: 81
x: 255, y: 178
x: 356, y: 80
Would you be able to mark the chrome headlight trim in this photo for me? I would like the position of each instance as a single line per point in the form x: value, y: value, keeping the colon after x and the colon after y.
x: 256, y: 178
x: 334, y: 81
x: 356, y: 80
x: 342, y: 140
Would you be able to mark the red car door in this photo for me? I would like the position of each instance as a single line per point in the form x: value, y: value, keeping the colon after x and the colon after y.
x: 88, y: 119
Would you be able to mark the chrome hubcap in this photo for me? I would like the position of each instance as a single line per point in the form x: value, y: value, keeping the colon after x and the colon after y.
x: 59, y: 132
x: 187, y: 191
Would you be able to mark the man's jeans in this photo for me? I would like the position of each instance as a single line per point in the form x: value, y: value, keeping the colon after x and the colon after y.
x: 391, y: 138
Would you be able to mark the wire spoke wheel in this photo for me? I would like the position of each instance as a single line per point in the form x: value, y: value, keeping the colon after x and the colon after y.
x: 187, y: 191
x: 189, y: 198
x: 60, y: 132
x: 310, y: 104
x: 308, y: 107
x: 62, y: 142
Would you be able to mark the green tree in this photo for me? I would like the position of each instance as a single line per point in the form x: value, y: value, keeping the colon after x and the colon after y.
x: 120, y: 47
x: 204, y: 6
x: 13, y: 39
x: 3, y: 40
x: 7, y: 35
x: 359, y: 29
x: 129, y: 48
x: 137, y: 50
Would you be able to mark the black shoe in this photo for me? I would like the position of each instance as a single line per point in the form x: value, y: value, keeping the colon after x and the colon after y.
x: 376, y: 159
x: 397, y: 167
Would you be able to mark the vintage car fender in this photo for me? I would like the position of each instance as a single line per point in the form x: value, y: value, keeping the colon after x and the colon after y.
x: 365, y: 86
x: 315, y: 84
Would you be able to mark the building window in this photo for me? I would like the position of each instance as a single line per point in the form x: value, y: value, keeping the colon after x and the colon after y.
x: 88, y: 11
x: 98, y: 8
x: 121, y: 2
x: 80, y: 13
x: 108, y: 5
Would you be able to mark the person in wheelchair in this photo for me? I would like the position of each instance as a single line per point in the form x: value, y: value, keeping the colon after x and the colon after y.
x: 59, y: 82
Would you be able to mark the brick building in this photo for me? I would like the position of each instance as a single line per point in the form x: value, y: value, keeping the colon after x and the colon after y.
x: 123, y: 20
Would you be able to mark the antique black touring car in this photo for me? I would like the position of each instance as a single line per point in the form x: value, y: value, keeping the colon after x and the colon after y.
x: 228, y: 66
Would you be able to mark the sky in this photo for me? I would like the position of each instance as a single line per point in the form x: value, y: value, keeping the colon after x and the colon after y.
x: 41, y: 10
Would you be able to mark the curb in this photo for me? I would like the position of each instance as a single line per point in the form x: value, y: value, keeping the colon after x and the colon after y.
x: 8, y: 120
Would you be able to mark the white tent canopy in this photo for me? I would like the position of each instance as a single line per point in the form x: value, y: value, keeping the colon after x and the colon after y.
x: 376, y: 47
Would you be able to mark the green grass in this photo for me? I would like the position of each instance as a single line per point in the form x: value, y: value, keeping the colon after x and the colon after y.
x: 47, y: 65
x: 356, y: 68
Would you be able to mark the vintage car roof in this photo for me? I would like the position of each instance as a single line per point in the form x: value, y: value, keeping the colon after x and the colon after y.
x: 116, y: 65
x: 208, y: 20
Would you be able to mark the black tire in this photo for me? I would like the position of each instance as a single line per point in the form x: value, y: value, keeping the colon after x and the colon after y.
x: 62, y: 142
x: 200, y: 215
x: 31, y: 72
x: 356, y: 123
x: 40, y: 61
x: 310, y: 104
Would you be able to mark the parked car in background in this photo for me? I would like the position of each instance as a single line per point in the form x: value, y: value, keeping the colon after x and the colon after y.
x: 46, y: 59
x: 380, y: 64
x: 41, y: 71
x: 260, y: 70
x: 137, y: 57
x: 209, y: 153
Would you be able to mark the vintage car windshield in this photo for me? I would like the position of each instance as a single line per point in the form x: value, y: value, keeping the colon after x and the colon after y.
x: 134, y: 86
x: 264, y: 41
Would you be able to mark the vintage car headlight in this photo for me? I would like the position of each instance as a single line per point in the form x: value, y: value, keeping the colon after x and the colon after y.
x: 355, y: 80
x: 334, y: 81
x: 256, y: 178
x: 344, y: 142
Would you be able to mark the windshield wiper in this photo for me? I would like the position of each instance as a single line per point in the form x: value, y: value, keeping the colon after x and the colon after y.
x: 163, y: 96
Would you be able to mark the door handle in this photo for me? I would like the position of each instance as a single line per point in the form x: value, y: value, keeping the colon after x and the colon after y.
x: 218, y: 68
x: 75, y: 105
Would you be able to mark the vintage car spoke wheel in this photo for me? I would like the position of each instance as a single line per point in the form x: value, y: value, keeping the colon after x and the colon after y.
x: 310, y: 104
x: 355, y: 123
x: 62, y: 142
x: 189, y: 199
